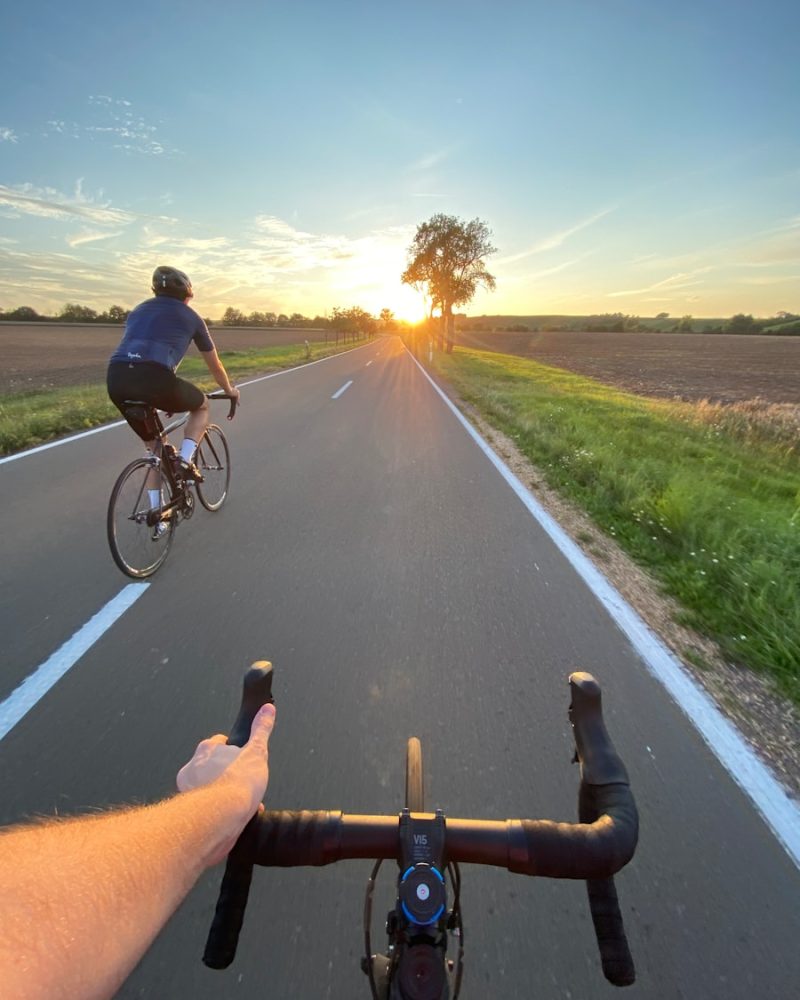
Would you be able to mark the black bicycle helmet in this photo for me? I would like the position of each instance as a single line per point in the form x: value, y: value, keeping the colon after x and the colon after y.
x: 170, y: 281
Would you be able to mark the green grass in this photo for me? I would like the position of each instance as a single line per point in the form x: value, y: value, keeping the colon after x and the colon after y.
x: 31, y: 418
x: 706, y: 498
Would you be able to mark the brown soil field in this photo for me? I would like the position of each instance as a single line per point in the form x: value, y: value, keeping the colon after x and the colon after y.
x: 56, y: 355
x: 722, y: 368
x: 719, y: 367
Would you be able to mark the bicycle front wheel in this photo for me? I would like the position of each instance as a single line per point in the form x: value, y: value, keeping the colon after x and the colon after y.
x: 138, y: 547
x: 415, y: 799
x: 213, y: 460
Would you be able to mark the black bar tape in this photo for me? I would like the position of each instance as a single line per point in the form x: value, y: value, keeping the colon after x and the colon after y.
x: 232, y: 902
x: 287, y: 839
x: 615, y: 954
x: 223, y: 937
x: 595, y: 800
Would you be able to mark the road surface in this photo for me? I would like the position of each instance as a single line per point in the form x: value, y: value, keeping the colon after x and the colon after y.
x: 371, y: 551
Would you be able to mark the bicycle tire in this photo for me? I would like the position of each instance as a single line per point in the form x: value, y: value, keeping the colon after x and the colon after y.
x: 136, y: 548
x: 213, y: 460
x: 415, y: 799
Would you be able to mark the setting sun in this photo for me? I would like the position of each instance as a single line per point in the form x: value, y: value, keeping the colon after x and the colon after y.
x: 406, y: 304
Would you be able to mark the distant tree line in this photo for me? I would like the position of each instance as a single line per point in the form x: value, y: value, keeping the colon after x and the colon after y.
x: 783, y: 323
x: 71, y: 313
x: 354, y: 319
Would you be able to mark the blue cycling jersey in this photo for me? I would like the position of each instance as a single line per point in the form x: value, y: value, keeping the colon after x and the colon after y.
x: 160, y: 330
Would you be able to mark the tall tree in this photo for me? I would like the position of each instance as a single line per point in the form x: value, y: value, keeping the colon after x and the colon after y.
x: 446, y: 260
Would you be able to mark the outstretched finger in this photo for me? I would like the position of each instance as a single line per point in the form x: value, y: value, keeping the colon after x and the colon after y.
x: 261, y: 729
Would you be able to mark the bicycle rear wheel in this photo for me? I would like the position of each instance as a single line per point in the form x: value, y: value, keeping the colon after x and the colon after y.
x: 138, y: 548
x: 213, y: 460
x: 415, y: 799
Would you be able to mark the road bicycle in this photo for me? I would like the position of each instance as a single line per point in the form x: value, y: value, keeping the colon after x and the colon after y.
x: 140, y: 534
x: 428, y: 848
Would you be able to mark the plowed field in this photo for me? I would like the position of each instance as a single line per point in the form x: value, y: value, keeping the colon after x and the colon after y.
x: 47, y: 356
x: 720, y: 367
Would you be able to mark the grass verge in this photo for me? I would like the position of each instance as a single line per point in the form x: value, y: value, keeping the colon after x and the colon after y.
x: 31, y: 418
x: 706, y: 498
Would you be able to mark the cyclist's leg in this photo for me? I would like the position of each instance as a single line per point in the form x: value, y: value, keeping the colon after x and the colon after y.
x: 187, y: 397
x: 196, y: 426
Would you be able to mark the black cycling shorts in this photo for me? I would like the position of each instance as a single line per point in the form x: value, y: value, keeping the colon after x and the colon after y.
x: 150, y: 383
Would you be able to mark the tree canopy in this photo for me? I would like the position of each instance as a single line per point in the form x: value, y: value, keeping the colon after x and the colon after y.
x: 446, y: 261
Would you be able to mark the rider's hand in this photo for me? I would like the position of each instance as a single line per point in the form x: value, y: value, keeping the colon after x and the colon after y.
x: 237, y: 396
x: 245, y: 770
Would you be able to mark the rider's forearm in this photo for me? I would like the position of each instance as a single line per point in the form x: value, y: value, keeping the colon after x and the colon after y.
x: 81, y: 900
x: 217, y: 370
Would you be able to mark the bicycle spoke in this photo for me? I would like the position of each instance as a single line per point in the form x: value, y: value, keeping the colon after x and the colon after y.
x: 138, y: 537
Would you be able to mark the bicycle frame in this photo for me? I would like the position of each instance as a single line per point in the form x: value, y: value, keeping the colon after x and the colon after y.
x: 151, y: 497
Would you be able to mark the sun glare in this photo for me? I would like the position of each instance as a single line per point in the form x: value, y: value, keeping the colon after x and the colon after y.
x: 406, y: 304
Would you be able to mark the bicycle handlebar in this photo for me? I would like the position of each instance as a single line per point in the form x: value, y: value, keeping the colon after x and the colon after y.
x: 220, y: 394
x: 593, y: 849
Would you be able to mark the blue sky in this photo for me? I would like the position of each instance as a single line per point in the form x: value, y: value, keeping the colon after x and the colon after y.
x: 631, y: 156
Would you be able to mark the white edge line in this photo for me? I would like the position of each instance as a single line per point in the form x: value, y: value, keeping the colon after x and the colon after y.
x: 779, y: 811
x: 344, y: 388
x: 56, y: 444
x: 17, y: 705
x: 121, y: 423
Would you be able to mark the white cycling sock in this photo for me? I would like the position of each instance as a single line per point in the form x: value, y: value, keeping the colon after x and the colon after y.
x: 188, y: 448
x: 155, y: 498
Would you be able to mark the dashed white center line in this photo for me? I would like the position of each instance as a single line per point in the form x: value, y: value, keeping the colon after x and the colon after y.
x: 368, y: 363
x: 344, y: 388
x: 35, y: 687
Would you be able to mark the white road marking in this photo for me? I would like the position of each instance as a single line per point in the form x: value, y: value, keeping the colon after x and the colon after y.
x: 121, y: 423
x: 769, y: 797
x: 368, y: 363
x: 344, y: 388
x: 35, y: 687
x: 55, y: 444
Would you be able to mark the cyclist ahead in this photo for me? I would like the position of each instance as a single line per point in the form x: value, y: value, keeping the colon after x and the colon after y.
x: 157, y: 335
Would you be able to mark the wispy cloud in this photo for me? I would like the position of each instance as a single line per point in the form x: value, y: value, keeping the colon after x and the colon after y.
x: 52, y: 204
x: 557, y: 239
x: 115, y: 120
x: 547, y: 271
x: 272, y: 264
x: 431, y: 160
x: 7, y: 134
x: 80, y: 239
x: 772, y: 279
x: 54, y: 276
x: 773, y: 246
x: 106, y: 101
x: 686, y: 279
x: 59, y: 127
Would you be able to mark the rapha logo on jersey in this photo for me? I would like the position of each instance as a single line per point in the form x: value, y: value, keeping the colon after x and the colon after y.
x: 131, y: 355
x: 421, y: 839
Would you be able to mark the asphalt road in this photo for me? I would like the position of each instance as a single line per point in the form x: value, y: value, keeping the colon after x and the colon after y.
x: 374, y: 554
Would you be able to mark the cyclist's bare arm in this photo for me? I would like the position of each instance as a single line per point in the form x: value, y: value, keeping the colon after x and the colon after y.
x: 217, y: 369
x: 82, y: 899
